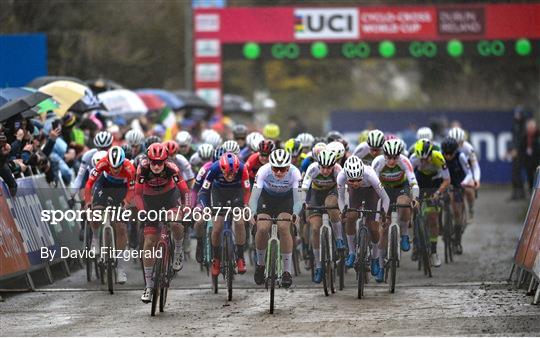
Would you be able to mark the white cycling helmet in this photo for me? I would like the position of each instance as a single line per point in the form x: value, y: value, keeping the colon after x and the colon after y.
x: 134, y: 137
x: 231, y: 146
x: 354, y: 168
x: 98, y: 156
x: 327, y: 158
x: 306, y: 139
x: 116, y: 156
x: 253, y: 139
x: 213, y: 138
x: 317, y: 149
x: 103, y: 139
x: 424, y: 132
x: 280, y: 158
x: 457, y: 134
x: 375, y: 138
x: 336, y: 147
x: 205, y: 151
x: 184, y: 138
x: 393, y: 147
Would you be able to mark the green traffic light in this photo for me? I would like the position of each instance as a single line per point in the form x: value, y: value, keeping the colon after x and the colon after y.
x: 251, y: 50
x: 319, y: 50
x: 523, y: 47
x: 387, y: 49
x: 454, y: 48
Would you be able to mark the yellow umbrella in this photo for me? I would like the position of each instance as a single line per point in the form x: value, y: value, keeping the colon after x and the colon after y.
x: 65, y: 93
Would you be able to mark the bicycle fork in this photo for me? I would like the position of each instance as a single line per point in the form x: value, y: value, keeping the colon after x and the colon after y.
x: 394, y: 224
x: 326, y: 228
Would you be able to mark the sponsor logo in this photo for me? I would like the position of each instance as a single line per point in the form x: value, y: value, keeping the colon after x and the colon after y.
x: 207, y: 48
x: 207, y: 23
x: 326, y: 23
x: 461, y: 21
x: 207, y: 72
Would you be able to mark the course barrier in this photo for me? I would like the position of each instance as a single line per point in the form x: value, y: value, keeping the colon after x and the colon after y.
x: 23, y: 234
x: 527, y: 256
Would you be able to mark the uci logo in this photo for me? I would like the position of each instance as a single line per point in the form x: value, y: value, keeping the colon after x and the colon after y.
x: 326, y: 23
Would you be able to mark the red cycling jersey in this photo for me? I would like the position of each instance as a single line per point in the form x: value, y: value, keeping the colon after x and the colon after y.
x: 149, y: 183
x: 253, y: 164
x: 126, y: 176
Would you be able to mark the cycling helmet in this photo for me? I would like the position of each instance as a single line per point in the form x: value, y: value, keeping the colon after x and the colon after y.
x: 229, y: 163
x: 134, y: 137
x: 116, y: 156
x: 205, y: 151
x: 218, y: 152
x: 266, y: 147
x: 239, y: 131
x: 253, y: 140
x: 293, y: 146
x: 205, y: 133
x: 424, y: 132
x: 280, y: 158
x: 231, y: 146
x: 271, y: 131
x: 184, y: 138
x: 171, y: 146
x: 103, y: 139
x: 336, y: 147
x: 354, y: 168
x: 333, y: 135
x: 127, y: 151
x: 449, y: 145
x: 306, y: 139
x: 157, y: 152
x: 317, y: 149
x: 152, y: 139
x: 457, y: 133
x: 345, y: 143
x: 327, y: 158
x: 423, y: 148
x: 98, y: 156
x: 393, y: 147
x: 375, y: 138
x: 213, y: 138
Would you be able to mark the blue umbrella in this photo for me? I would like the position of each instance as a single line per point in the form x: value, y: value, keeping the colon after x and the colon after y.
x: 9, y: 94
x: 169, y: 98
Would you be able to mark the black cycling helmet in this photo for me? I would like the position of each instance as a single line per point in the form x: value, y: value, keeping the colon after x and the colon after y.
x: 239, y: 131
x: 152, y: 139
x: 449, y: 145
x: 333, y: 135
x: 127, y: 151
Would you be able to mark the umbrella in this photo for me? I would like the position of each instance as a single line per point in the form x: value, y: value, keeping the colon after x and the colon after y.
x: 169, y: 98
x: 236, y: 104
x: 9, y: 94
x: 152, y: 101
x: 21, y: 105
x: 66, y: 93
x: 122, y: 102
x: 45, y: 80
x: 196, y: 108
x: 102, y: 85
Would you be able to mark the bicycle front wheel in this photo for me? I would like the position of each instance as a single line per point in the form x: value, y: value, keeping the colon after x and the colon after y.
x: 228, y: 252
x: 109, y: 263
x: 272, y: 269
x: 325, y: 258
x: 156, y: 276
x: 361, y: 268
x: 393, y: 259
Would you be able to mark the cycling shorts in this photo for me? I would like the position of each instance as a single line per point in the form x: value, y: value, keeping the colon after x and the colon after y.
x: 274, y: 205
x: 107, y: 193
x: 166, y: 201
x: 316, y: 198
x: 367, y: 195
x: 220, y: 197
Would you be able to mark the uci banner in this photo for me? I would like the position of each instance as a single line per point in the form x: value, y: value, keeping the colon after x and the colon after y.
x: 488, y: 131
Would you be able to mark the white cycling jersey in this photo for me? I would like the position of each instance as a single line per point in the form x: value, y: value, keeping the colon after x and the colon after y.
x: 195, y: 160
x: 267, y: 181
x: 313, y: 178
x: 362, y: 151
x: 370, y: 179
x: 468, y: 150
x: 85, y: 167
x: 183, y: 164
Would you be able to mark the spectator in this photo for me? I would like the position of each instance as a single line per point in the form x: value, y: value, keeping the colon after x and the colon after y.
x: 529, y: 150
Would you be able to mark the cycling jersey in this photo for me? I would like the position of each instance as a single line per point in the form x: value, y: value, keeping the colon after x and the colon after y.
x: 396, y: 176
x: 307, y: 162
x: 151, y: 184
x: 126, y: 176
x: 370, y: 180
x: 267, y: 182
x: 315, y: 180
x: 245, y: 153
x: 201, y: 175
x: 195, y: 160
x: 253, y: 164
x: 410, y: 151
x: 460, y: 171
x: 434, y: 168
x: 468, y: 150
x: 215, y: 179
x: 363, y: 152
x: 84, y: 168
x: 185, y: 168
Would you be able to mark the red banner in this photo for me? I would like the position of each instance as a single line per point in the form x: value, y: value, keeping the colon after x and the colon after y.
x: 13, y: 257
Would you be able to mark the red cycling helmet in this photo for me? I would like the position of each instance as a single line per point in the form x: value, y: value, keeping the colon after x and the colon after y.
x: 266, y: 147
x: 172, y: 147
x: 157, y: 152
x: 229, y: 163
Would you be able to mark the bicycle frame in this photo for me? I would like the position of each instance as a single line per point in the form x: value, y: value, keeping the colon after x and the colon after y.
x: 326, y: 227
x: 394, y: 224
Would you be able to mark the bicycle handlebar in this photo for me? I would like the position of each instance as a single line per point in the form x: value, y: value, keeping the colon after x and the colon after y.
x: 321, y: 208
x: 275, y: 219
x: 362, y: 211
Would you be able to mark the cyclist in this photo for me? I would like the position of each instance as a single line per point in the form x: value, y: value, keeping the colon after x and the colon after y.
x: 333, y: 135
x: 312, y: 156
x: 227, y: 180
x: 460, y: 177
x: 372, y: 148
x: 253, y: 139
x: 466, y: 148
x: 231, y: 146
x: 276, y: 194
x: 181, y: 162
x: 111, y: 183
x: 135, y: 139
x: 147, y: 143
x: 184, y: 140
x: 320, y: 181
x: 294, y: 147
x: 363, y: 185
x: 160, y: 186
x: 212, y: 137
x: 433, y: 179
x: 339, y: 149
x: 271, y: 131
x: 424, y: 133
x: 396, y: 174
x: 260, y: 158
x: 307, y: 141
x: 239, y: 134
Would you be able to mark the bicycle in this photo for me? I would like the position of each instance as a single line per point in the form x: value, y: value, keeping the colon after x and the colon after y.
x: 89, y: 261
x: 326, y: 247
x: 162, y: 272
x: 107, y: 262
x: 274, y: 265
x: 394, y: 248
x: 228, y: 256
x: 421, y: 236
x: 447, y: 221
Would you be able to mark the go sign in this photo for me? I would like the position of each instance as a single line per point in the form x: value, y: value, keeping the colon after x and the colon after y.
x: 419, y: 49
x: 285, y: 51
x: 355, y: 50
x: 490, y: 48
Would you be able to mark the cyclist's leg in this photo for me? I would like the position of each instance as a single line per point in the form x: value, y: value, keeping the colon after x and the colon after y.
x: 470, y: 196
x: 315, y: 221
x: 261, y: 238
x: 216, y: 236
x: 404, y: 219
x: 335, y: 221
x: 286, y: 240
x: 150, y: 241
